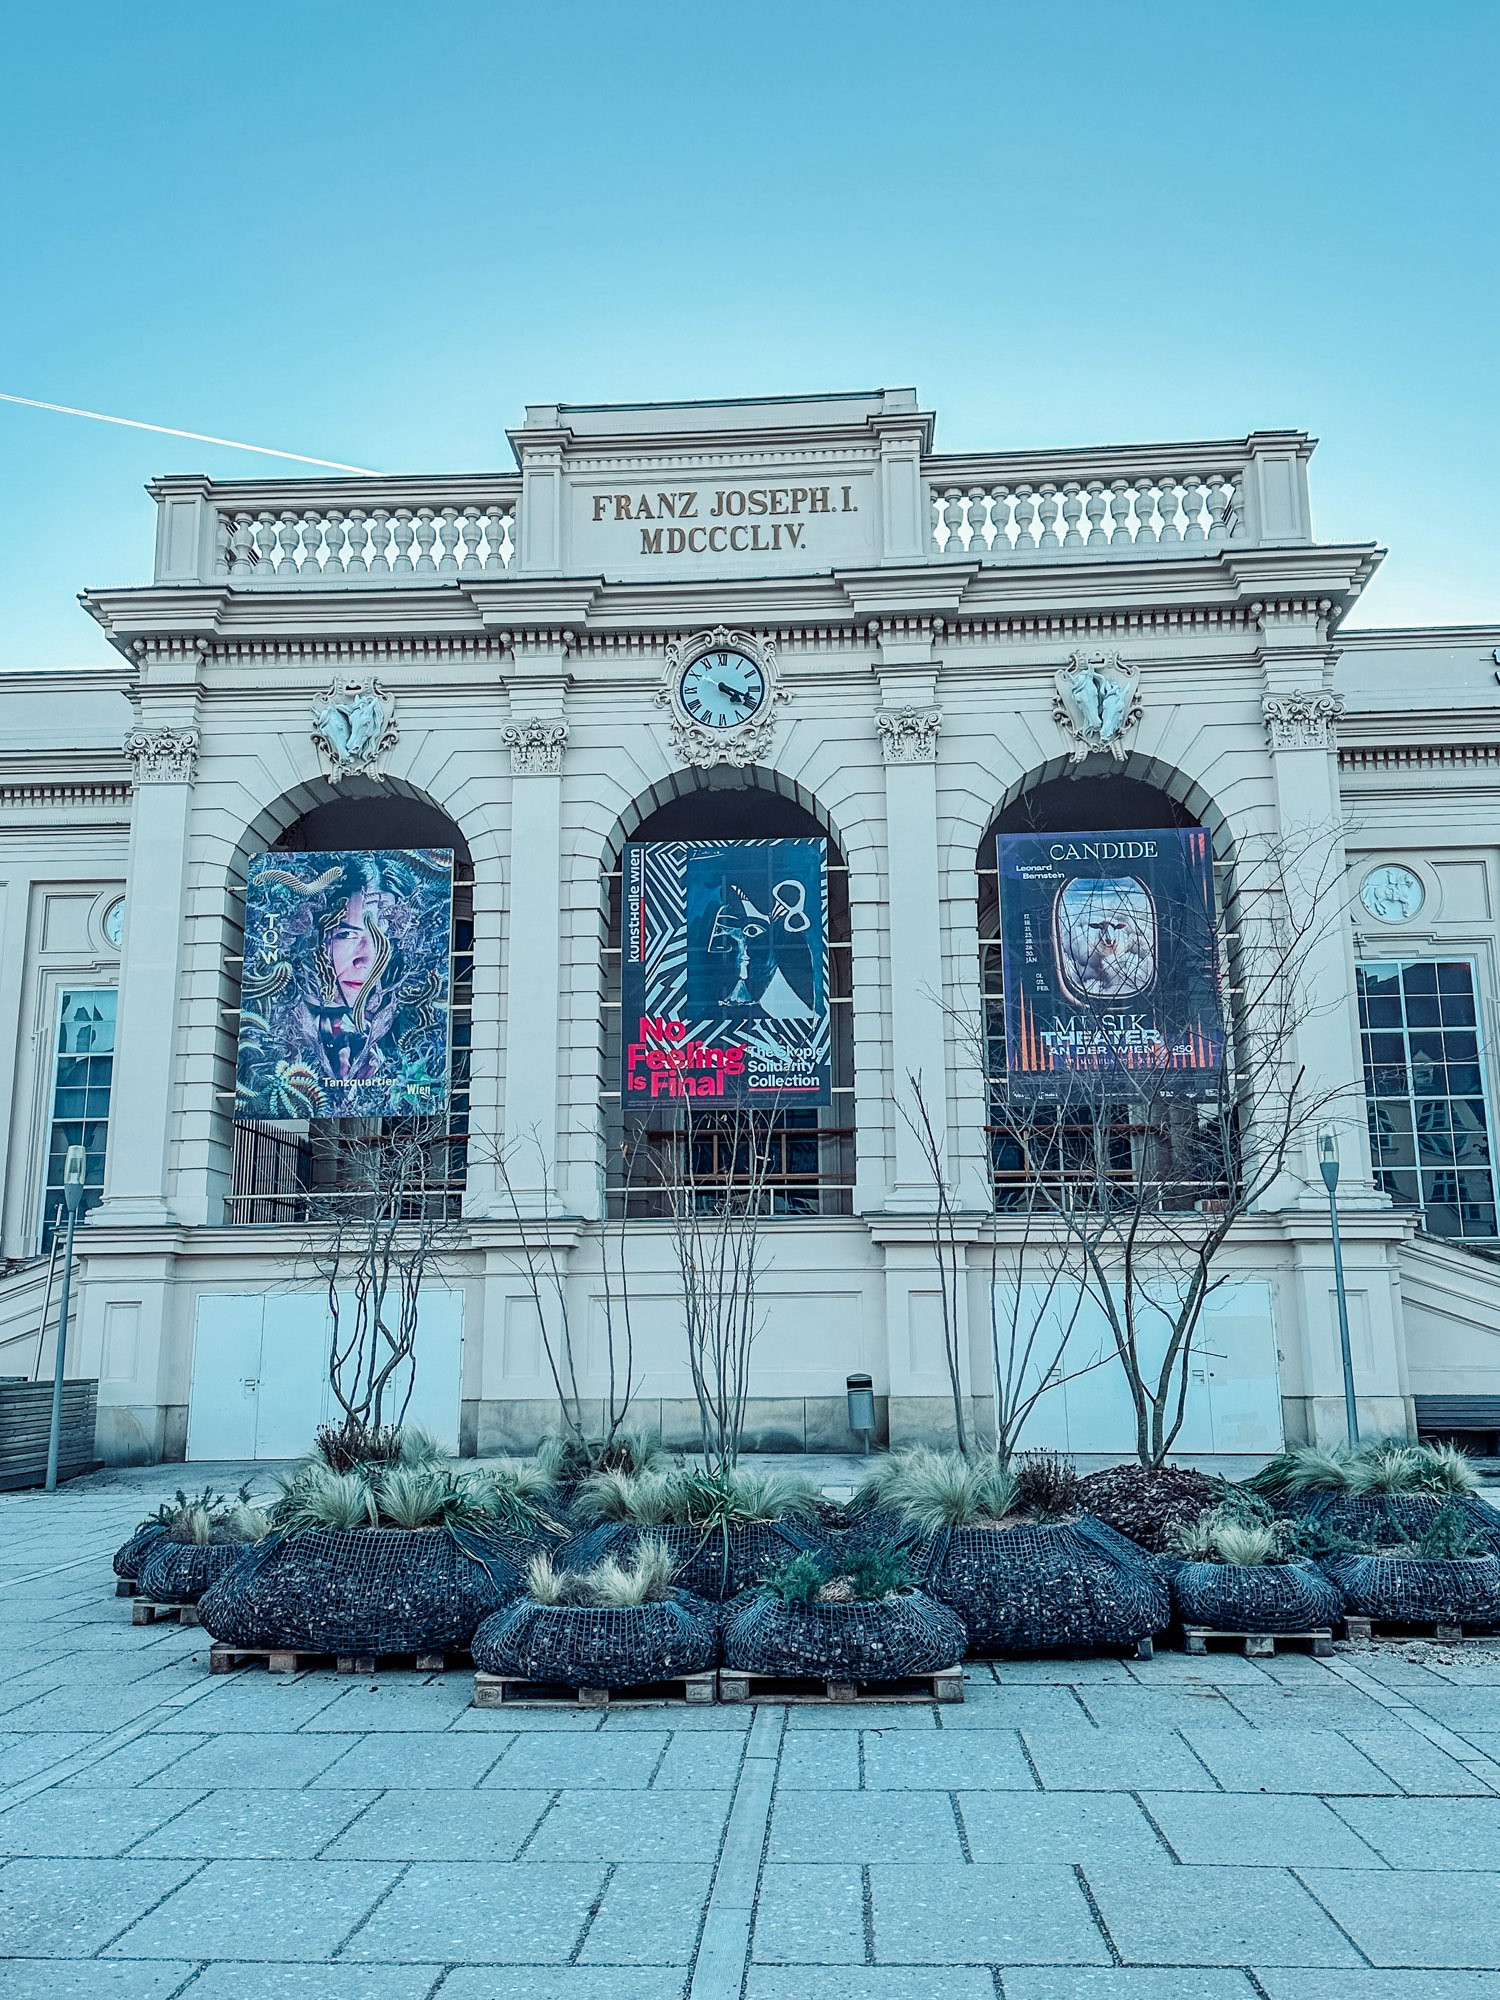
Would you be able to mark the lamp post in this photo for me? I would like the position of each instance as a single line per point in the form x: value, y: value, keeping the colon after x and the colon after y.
x: 1328, y: 1166
x: 74, y: 1169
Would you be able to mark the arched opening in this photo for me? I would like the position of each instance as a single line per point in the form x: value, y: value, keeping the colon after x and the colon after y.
x: 805, y: 1159
x: 1139, y: 1145
x: 291, y: 1168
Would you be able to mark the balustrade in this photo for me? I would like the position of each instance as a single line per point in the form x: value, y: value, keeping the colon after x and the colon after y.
x: 1156, y: 513
x: 319, y: 547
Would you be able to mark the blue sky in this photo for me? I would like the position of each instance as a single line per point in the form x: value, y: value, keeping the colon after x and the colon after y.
x: 372, y: 233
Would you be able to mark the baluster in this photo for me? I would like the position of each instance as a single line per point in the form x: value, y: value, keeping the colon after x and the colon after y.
x: 1192, y: 507
x: 1220, y: 501
x: 288, y: 539
x: 953, y: 521
x: 312, y: 543
x: 242, y: 557
x: 447, y: 530
x: 333, y: 545
x: 426, y: 533
x: 1120, y: 540
x: 222, y: 533
x: 1166, y: 506
x: 1024, y: 512
x: 1145, y: 513
x: 1072, y: 511
x: 358, y: 534
x: 1097, y: 507
x: 401, y: 535
x: 494, y: 541
x: 470, y: 534
x: 977, y: 545
x: 265, y: 543
x: 380, y: 535
x: 1047, y: 515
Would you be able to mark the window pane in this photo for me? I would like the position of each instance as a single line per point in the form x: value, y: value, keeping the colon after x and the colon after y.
x: 1418, y: 977
x: 80, y: 1096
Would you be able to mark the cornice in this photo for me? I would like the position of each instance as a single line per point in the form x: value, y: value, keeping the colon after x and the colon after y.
x: 1386, y: 757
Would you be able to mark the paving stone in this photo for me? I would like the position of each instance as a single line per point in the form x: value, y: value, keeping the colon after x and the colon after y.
x: 966, y: 1914
x: 257, y: 1909
x: 1165, y: 1708
x: 1416, y: 1765
x: 1286, y: 1760
x: 93, y: 1979
x: 863, y: 1826
x: 699, y: 1761
x: 22, y: 1757
x: 1090, y: 1672
x: 974, y: 1758
x: 1419, y: 1833
x: 1418, y: 1918
x: 732, y: 1719
x: 97, y: 1822
x: 1378, y: 1985
x: 1057, y: 1826
x: 825, y: 1760
x: 615, y: 1762
x: 71, y: 1909
x: 252, y: 1825
x: 255, y: 1702
x: 1340, y: 1708
x: 95, y: 1708
x: 632, y: 1826
x: 317, y: 1981
x: 869, y: 1982
x: 1012, y: 1707
x: 810, y: 1914
x: 564, y: 1982
x: 449, y: 1761
x: 134, y: 1763
x: 1256, y: 1829
x: 1160, y: 1915
x: 547, y: 1719
x: 1130, y: 1982
x: 480, y: 1913
x: 1210, y: 1669
x: 393, y: 1704
x: 651, y: 1915
x: 278, y: 1762
x: 433, y: 1825
x: 916, y: 1715
x: 1460, y: 1709
x: 1116, y: 1760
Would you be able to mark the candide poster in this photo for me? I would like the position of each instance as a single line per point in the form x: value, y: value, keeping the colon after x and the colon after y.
x: 725, y: 972
x: 1110, y: 965
x: 344, y: 996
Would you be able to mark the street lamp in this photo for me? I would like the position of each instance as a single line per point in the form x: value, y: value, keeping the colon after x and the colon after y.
x: 74, y: 1169
x: 1328, y: 1166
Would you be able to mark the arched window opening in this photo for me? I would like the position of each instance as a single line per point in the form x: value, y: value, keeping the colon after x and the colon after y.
x: 292, y: 1170
x: 795, y: 1161
x: 1140, y: 1147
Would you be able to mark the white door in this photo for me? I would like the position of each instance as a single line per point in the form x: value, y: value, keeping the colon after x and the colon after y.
x: 294, y: 1393
x: 438, y: 1355
x: 225, y: 1391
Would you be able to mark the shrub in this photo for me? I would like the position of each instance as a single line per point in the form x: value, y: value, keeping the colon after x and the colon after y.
x: 1148, y: 1505
x: 940, y: 1489
x: 1374, y: 1468
x: 799, y: 1580
x: 408, y: 1496
x: 869, y: 1576
x: 1449, y: 1537
x: 567, y: 1461
x: 210, y: 1520
x: 609, y: 1585
x: 686, y: 1497
x: 1048, y: 1486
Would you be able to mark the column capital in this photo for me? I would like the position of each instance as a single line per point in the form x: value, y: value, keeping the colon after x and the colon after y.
x: 162, y: 756
x: 536, y: 744
x: 1302, y: 718
x: 909, y: 735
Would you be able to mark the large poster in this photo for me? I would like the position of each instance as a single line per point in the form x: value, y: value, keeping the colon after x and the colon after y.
x: 725, y: 971
x: 344, y: 996
x: 1110, y: 962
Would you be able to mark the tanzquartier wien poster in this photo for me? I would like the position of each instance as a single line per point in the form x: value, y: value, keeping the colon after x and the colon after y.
x: 724, y: 986
x: 1108, y: 943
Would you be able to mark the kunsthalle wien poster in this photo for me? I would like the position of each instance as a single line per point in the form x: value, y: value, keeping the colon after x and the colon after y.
x: 1108, y: 944
x: 725, y: 972
x: 344, y: 995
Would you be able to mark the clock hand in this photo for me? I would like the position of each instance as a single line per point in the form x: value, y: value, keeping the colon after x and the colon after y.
x: 735, y: 694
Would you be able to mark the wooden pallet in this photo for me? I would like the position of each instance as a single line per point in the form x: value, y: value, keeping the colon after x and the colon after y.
x: 144, y: 1612
x: 1133, y: 1649
x: 500, y: 1691
x: 126, y: 1586
x: 1356, y: 1627
x: 224, y: 1658
x: 947, y: 1684
x: 1258, y: 1645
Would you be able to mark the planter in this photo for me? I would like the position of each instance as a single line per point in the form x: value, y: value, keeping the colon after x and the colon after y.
x: 130, y: 1556
x: 1035, y: 1589
x: 709, y: 1562
x: 26, y: 1424
x: 885, y: 1640
x: 1264, y: 1597
x: 367, y: 1590
x: 1411, y: 1588
x: 1379, y: 1516
x: 180, y: 1572
x: 581, y: 1645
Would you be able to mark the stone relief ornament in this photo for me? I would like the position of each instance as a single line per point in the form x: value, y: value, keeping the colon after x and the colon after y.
x: 1097, y: 701
x: 722, y: 689
x: 163, y: 756
x: 909, y: 735
x: 1303, y: 719
x: 354, y: 727
x: 536, y: 744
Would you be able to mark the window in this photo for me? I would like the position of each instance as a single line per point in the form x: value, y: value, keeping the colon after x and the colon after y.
x: 1424, y: 1093
x: 80, y: 1096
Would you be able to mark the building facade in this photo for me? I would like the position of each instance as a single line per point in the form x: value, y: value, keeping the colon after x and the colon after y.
x: 493, y: 665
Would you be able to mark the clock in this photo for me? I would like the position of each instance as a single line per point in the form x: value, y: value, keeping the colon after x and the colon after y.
x: 1392, y: 893
x: 722, y: 688
x: 114, y: 922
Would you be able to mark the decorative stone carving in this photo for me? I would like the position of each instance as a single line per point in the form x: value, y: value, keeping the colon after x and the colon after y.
x: 1097, y: 703
x: 747, y: 742
x: 354, y: 727
x: 536, y: 744
x: 909, y: 735
x: 163, y: 756
x: 1302, y: 720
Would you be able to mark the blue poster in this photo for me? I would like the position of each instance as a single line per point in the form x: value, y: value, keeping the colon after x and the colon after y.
x: 1110, y: 957
x: 344, y: 993
x: 725, y: 972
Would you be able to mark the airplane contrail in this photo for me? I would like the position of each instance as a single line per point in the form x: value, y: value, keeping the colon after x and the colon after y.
x: 198, y: 437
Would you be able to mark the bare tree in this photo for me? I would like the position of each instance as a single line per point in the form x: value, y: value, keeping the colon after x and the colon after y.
x: 948, y: 1253
x: 715, y: 1186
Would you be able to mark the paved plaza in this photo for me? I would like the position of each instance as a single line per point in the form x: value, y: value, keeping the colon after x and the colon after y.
x: 1077, y: 1830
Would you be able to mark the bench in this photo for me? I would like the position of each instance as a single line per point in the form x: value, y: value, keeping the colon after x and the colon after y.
x: 1461, y: 1417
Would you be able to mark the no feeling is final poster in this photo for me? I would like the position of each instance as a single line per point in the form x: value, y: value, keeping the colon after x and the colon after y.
x: 1108, y: 943
x: 724, y: 987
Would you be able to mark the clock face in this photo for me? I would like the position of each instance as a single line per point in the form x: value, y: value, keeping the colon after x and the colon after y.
x: 1393, y: 894
x: 722, y: 689
x: 114, y: 922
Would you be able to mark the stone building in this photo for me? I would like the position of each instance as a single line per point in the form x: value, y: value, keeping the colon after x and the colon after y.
x: 492, y: 664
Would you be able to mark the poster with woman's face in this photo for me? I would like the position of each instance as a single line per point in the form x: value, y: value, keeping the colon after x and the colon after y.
x: 344, y: 993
